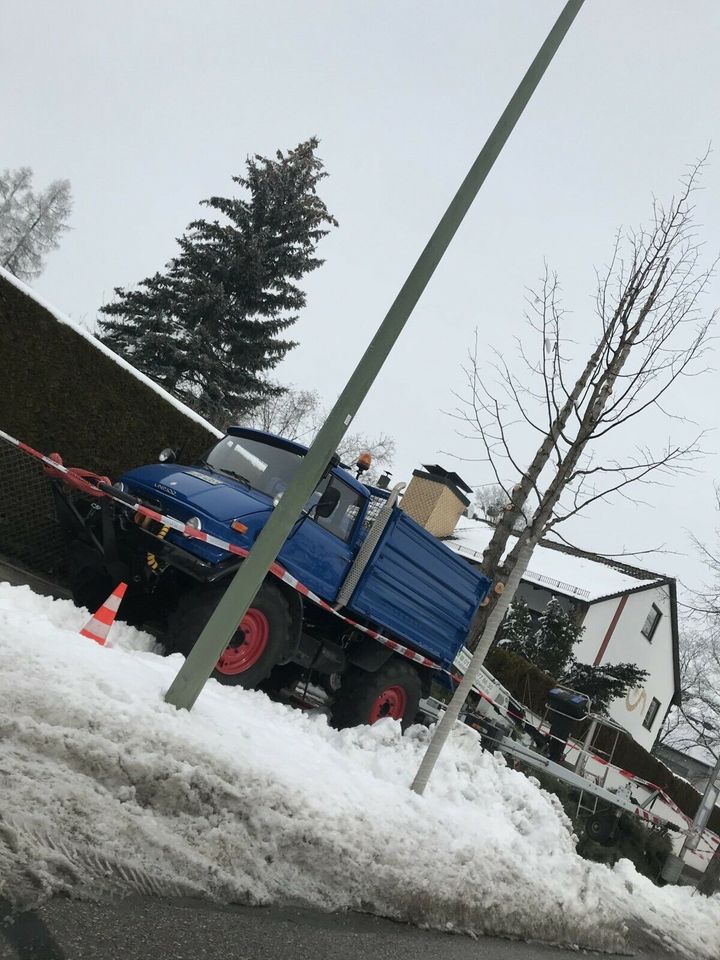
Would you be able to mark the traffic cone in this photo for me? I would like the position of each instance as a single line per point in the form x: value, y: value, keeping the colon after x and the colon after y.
x: 98, y: 626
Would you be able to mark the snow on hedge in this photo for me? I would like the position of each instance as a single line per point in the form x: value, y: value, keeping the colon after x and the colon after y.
x: 246, y: 800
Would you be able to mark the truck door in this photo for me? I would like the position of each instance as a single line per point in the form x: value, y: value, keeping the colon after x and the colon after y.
x: 319, y: 553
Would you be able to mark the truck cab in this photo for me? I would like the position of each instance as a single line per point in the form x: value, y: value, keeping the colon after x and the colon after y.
x: 233, y: 490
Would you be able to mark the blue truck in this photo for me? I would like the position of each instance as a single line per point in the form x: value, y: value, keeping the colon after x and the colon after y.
x: 352, y: 546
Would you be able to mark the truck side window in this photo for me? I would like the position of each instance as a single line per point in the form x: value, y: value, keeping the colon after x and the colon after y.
x: 342, y: 520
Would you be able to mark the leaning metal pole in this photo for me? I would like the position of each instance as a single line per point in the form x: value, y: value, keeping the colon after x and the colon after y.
x: 236, y: 600
x: 449, y: 718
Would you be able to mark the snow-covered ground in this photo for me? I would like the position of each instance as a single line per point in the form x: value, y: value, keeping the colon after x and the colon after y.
x: 247, y: 800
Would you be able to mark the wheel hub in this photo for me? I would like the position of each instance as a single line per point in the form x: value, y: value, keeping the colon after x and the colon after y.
x: 247, y: 646
x: 390, y: 703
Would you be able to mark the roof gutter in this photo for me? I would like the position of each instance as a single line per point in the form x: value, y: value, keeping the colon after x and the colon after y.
x: 677, y: 695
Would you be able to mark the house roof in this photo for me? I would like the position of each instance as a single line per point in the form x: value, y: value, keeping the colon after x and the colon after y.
x: 694, y: 756
x: 573, y: 573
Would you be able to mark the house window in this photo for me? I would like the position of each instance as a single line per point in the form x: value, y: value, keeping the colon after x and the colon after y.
x: 652, y: 712
x: 651, y: 622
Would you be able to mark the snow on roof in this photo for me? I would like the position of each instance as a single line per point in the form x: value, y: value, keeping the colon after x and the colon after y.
x: 682, y: 745
x: 81, y: 331
x: 565, y: 573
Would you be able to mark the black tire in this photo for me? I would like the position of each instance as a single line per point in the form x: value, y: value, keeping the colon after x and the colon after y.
x: 90, y: 584
x: 392, y: 690
x: 600, y: 827
x: 254, y: 651
x: 282, y: 677
x: 90, y: 591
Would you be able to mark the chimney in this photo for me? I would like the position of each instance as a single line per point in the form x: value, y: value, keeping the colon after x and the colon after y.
x: 433, y: 499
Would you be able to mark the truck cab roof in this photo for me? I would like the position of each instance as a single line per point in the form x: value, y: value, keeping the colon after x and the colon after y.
x: 299, y: 448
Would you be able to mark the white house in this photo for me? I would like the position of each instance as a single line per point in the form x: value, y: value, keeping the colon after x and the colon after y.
x: 629, y: 616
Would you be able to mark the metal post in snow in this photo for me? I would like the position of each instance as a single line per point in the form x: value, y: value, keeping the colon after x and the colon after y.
x: 236, y: 600
x: 674, y: 863
x: 705, y: 808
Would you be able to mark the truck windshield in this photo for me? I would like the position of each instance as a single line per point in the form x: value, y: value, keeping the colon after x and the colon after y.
x: 262, y: 466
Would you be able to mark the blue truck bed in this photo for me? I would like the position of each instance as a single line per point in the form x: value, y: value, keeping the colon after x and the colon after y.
x: 420, y: 590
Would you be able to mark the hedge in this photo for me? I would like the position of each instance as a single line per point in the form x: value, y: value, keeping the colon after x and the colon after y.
x: 59, y: 392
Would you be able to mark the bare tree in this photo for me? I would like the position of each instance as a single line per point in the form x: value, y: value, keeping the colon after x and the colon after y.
x: 705, y: 602
x: 696, y: 722
x: 30, y: 222
x: 381, y: 448
x: 298, y: 414
x: 652, y: 332
x: 291, y: 413
x: 492, y: 499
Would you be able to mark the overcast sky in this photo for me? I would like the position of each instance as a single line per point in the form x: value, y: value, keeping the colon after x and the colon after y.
x: 150, y: 105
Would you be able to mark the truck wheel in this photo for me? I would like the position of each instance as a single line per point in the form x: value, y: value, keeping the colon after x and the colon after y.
x: 259, y: 643
x: 600, y: 827
x: 90, y: 589
x: 90, y: 584
x: 392, y: 691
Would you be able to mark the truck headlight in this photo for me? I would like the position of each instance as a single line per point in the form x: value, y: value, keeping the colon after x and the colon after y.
x: 194, y: 522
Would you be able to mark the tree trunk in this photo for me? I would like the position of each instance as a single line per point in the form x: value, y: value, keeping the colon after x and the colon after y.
x: 479, y: 636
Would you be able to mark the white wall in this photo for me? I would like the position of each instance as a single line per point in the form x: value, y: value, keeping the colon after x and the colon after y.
x: 628, y: 645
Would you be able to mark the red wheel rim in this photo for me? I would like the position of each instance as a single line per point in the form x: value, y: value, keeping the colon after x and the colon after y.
x: 390, y: 703
x: 247, y: 646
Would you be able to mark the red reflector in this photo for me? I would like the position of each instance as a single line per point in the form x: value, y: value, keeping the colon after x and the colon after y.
x: 238, y: 526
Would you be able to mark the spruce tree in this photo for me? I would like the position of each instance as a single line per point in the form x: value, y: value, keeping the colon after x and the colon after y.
x: 550, y: 644
x: 212, y: 324
x: 550, y: 647
x: 553, y: 641
x: 604, y: 682
x: 517, y: 628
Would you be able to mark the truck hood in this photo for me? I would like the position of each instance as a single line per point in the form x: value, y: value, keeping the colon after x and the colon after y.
x: 198, y: 490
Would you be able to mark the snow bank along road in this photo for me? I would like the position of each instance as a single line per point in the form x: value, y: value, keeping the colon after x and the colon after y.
x: 105, y: 788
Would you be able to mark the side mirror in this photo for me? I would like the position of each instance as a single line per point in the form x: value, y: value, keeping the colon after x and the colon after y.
x: 167, y: 455
x: 327, y: 502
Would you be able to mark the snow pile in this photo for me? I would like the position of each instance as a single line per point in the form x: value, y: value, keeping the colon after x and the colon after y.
x: 250, y: 801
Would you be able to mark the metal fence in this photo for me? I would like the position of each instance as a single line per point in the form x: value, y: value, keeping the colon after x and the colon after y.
x: 29, y: 529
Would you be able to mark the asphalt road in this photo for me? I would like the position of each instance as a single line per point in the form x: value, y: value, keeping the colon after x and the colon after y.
x: 140, y: 928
